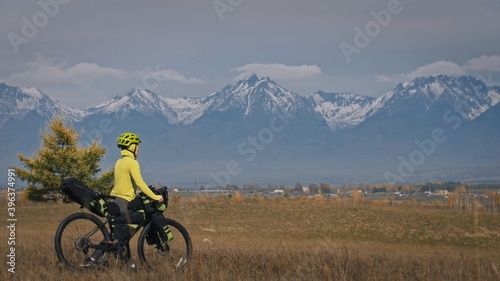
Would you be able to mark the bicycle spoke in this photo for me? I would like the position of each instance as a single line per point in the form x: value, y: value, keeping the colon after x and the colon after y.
x: 78, y: 237
x: 175, y: 257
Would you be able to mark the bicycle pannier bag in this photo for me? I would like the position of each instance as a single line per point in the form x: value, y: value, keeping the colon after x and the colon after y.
x: 86, y: 197
x: 152, y: 237
x: 153, y: 207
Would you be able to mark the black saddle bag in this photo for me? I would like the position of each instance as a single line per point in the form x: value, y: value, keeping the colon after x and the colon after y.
x: 86, y: 197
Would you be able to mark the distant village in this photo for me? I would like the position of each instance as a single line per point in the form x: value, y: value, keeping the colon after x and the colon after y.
x: 442, y: 189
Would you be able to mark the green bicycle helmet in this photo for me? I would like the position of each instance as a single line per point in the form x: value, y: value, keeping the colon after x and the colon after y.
x: 127, y: 139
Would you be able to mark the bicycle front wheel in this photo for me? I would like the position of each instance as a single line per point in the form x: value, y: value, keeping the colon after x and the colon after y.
x: 175, y: 255
x: 77, y: 238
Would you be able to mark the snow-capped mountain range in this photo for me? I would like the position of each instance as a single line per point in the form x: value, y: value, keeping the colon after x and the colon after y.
x: 254, y: 94
x: 18, y: 102
x: 326, y: 129
x: 471, y: 95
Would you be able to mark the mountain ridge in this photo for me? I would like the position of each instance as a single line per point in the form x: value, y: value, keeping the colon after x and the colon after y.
x: 338, y: 110
x: 275, y: 135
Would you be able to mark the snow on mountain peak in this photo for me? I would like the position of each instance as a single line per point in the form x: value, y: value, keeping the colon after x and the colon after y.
x: 140, y: 100
x: 187, y: 110
x: 472, y: 95
x: 251, y: 79
x: 340, y: 110
x: 17, y: 102
x: 251, y: 94
x: 494, y: 95
x: 34, y: 92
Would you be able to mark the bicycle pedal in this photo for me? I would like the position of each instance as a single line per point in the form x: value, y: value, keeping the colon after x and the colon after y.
x: 88, y: 263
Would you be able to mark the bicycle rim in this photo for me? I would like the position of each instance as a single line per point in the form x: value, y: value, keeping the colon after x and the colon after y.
x: 178, y: 254
x: 76, y: 239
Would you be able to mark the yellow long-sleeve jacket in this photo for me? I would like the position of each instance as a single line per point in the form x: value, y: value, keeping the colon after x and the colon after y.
x: 128, y: 177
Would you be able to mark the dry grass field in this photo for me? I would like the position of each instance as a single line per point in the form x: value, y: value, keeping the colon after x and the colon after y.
x: 286, y: 239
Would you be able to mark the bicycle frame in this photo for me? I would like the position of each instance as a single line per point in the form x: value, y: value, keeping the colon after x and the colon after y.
x: 108, y: 247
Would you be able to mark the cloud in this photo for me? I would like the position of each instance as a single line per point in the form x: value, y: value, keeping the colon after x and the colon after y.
x: 437, y: 68
x: 160, y: 75
x: 383, y: 78
x: 278, y: 71
x: 489, y: 63
x: 472, y: 66
x: 433, y: 69
x: 61, y: 73
x: 46, y: 72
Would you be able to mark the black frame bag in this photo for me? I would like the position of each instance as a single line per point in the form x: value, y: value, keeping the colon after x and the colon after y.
x: 86, y: 197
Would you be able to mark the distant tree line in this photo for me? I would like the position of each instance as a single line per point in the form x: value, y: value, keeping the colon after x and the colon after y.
x: 326, y: 188
x: 434, y: 186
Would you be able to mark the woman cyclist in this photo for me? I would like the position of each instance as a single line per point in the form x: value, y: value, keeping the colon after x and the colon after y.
x: 126, y: 207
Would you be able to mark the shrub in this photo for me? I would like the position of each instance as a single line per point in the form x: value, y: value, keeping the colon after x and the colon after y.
x: 58, y: 158
x: 237, y: 197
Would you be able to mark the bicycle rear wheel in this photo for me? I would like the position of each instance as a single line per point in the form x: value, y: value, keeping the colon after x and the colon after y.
x: 176, y: 256
x: 77, y: 238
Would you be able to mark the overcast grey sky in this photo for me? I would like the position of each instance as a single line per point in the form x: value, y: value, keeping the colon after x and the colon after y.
x: 85, y: 52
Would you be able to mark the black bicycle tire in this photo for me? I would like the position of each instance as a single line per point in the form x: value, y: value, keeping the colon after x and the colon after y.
x: 171, y: 223
x: 62, y: 226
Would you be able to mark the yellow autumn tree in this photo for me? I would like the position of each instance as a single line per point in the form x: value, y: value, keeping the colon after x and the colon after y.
x: 237, y: 197
x: 356, y: 195
x: 59, y: 157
